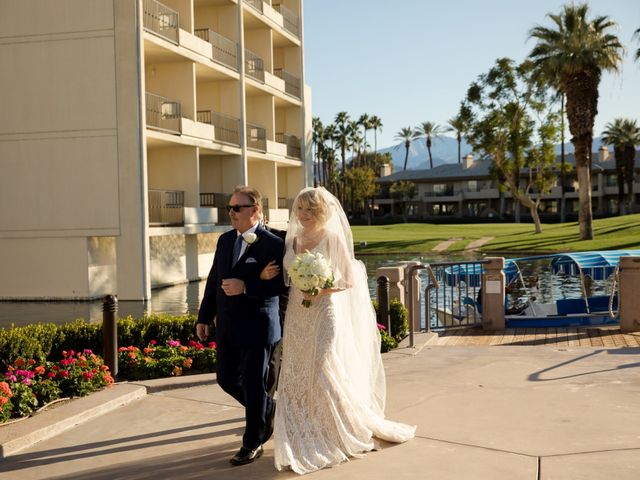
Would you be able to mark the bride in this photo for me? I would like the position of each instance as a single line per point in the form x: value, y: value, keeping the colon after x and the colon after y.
x: 331, y: 392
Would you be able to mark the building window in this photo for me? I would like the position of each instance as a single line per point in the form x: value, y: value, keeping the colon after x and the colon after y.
x: 611, y: 180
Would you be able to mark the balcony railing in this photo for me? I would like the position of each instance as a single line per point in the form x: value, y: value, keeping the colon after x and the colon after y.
x: 292, y: 142
x: 224, y: 51
x: 227, y: 128
x: 161, y: 20
x: 166, y: 207
x: 253, y: 65
x: 291, y: 21
x: 163, y: 113
x: 219, y: 201
x: 256, y: 137
x: 291, y: 82
x: 257, y: 4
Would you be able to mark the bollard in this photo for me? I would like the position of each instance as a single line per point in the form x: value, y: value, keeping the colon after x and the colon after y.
x: 110, y: 333
x: 383, y: 303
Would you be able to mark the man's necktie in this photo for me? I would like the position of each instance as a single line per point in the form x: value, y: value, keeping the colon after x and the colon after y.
x: 236, y: 249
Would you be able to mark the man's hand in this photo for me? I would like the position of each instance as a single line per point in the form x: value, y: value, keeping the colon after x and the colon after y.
x: 202, y: 331
x: 233, y: 286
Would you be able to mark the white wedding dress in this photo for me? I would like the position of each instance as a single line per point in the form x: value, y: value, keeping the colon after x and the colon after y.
x: 330, y: 399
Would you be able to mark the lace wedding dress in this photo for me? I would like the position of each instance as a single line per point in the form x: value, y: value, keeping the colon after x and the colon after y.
x: 330, y: 399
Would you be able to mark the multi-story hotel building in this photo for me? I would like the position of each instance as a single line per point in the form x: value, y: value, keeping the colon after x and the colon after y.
x: 127, y: 123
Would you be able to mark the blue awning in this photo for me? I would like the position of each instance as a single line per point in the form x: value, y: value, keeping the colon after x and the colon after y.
x: 599, y: 265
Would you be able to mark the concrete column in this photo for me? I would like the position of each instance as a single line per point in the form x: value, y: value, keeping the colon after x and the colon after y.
x: 396, y: 281
x: 192, y: 257
x: 413, y: 283
x: 493, y: 292
x: 629, y: 300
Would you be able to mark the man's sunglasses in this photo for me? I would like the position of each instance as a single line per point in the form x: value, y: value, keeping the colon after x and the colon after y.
x: 236, y: 208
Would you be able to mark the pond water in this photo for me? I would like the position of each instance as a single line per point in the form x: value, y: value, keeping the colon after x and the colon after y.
x: 185, y: 298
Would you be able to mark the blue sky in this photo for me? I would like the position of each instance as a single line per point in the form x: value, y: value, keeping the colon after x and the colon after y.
x: 409, y: 61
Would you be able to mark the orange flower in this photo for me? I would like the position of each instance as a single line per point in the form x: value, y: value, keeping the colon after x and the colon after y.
x: 187, y: 362
x: 3, y: 401
x: 177, y: 371
x: 39, y: 370
x: 19, y: 362
x: 6, y: 389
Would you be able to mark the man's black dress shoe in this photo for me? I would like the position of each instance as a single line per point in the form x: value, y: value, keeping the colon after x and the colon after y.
x: 246, y: 455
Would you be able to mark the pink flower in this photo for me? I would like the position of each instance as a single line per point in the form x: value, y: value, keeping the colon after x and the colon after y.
x: 173, y: 343
x: 381, y: 327
x: 51, y: 375
x: 87, y: 375
x: 213, y: 345
x: 87, y: 351
x: 12, y: 378
x: 153, y: 342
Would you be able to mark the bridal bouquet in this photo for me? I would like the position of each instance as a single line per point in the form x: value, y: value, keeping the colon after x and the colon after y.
x: 310, y: 272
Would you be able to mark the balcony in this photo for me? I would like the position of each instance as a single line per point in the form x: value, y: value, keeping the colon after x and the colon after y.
x: 161, y: 20
x: 291, y: 20
x: 292, y: 142
x: 226, y: 127
x: 256, y: 138
x: 166, y: 207
x: 253, y: 65
x: 163, y: 113
x: 291, y: 82
x: 224, y: 51
x: 256, y: 4
x: 218, y: 201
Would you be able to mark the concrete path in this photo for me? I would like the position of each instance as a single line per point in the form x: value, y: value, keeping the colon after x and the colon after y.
x: 483, y: 413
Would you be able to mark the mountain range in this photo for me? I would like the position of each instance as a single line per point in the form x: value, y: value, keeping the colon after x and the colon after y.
x: 444, y: 150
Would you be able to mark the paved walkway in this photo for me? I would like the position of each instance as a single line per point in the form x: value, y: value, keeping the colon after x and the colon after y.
x: 507, y: 413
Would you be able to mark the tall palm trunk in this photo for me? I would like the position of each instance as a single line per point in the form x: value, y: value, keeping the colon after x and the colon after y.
x: 582, y: 108
x: 406, y: 155
x: 429, y: 150
x: 459, y: 138
x: 629, y: 162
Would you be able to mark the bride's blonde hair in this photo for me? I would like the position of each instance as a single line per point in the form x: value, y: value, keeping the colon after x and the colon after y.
x: 314, y: 200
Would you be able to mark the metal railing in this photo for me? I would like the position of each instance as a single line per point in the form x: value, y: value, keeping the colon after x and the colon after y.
x: 163, y: 113
x: 291, y: 20
x: 256, y: 137
x: 219, y: 201
x: 292, y: 142
x: 227, y: 128
x: 161, y: 20
x: 253, y: 65
x: 256, y: 4
x: 166, y: 207
x: 456, y: 302
x: 224, y: 51
x: 284, y: 202
x: 291, y: 82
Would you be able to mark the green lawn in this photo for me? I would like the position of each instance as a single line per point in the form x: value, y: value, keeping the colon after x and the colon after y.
x: 610, y: 234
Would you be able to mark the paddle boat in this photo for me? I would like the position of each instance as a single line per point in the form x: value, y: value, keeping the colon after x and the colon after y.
x: 587, y: 307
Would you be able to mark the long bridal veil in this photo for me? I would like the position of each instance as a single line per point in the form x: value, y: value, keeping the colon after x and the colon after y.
x: 357, y: 338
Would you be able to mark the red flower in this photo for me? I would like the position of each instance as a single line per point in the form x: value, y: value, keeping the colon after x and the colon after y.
x: 64, y: 373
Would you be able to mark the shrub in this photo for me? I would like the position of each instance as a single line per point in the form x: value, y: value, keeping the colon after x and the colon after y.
x: 387, y: 342
x: 399, y: 316
x: 399, y: 319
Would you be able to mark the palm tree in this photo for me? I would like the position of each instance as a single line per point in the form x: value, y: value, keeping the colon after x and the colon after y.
x: 637, y: 34
x: 576, y: 52
x: 458, y: 124
x: 318, y: 141
x: 429, y: 131
x: 365, y: 122
x: 375, y: 124
x: 405, y: 134
x: 624, y: 135
x: 342, y: 134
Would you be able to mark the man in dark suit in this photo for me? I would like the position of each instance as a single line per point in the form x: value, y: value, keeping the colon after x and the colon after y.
x: 245, y: 310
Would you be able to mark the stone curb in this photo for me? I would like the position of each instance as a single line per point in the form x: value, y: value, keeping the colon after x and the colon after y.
x: 48, y: 423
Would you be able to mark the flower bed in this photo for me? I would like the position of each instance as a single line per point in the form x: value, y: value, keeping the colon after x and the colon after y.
x: 28, y: 384
x: 171, y: 359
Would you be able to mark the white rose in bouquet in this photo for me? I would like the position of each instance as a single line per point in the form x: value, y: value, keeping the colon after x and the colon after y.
x: 309, y: 273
